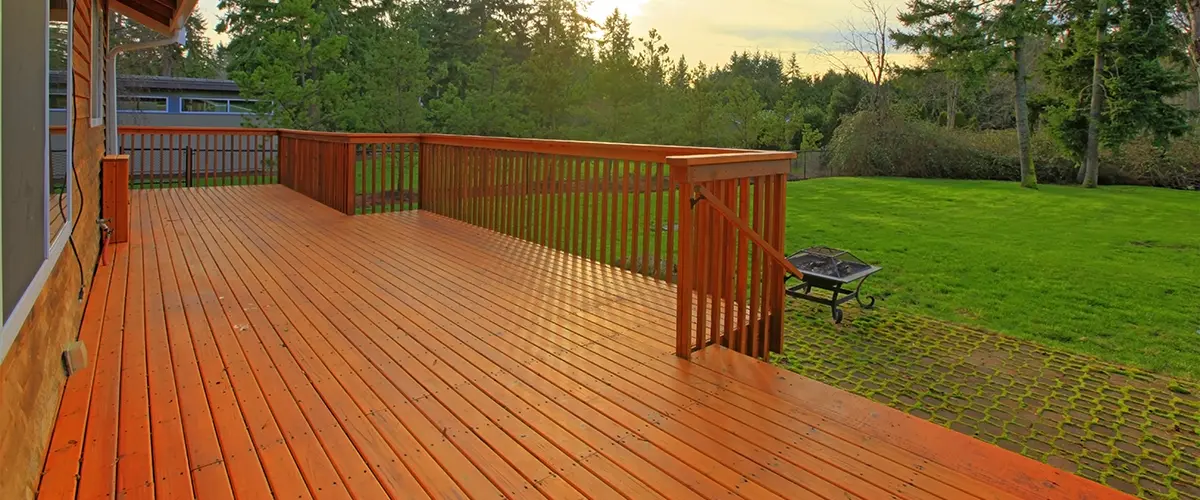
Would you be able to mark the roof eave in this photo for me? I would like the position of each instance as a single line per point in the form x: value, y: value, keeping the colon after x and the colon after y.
x: 166, y: 22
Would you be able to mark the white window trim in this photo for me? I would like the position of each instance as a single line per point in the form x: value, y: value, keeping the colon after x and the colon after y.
x: 20, y: 313
x: 96, y: 111
x: 53, y: 251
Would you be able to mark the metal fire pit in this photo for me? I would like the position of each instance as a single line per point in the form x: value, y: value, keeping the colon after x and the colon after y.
x: 834, y: 271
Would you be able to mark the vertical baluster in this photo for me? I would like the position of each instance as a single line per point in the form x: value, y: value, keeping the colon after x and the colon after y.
x: 778, y: 214
x: 703, y: 271
x: 647, y: 230
x: 635, y: 222
x: 624, y: 258
x: 761, y: 202
x: 743, y: 199
x: 546, y: 185
x: 528, y: 197
x: 510, y: 197
x: 608, y: 219
x: 659, y: 268
x: 156, y: 169
x: 395, y: 175
x: 579, y: 208
x: 671, y: 274
x: 592, y: 184
x: 716, y: 264
x: 729, y: 276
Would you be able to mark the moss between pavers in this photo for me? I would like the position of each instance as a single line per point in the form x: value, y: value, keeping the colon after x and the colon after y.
x: 1133, y: 430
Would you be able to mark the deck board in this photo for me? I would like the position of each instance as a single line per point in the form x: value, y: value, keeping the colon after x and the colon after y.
x: 253, y: 343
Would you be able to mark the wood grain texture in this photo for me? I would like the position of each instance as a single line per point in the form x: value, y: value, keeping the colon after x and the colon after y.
x: 412, y: 355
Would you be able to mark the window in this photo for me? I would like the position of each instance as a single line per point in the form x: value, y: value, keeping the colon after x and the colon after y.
x: 35, y: 189
x: 58, y: 102
x: 242, y: 106
x: 98, y: 45
x: 142, y: 104
x: 223, y: 106
x: 205, y: 105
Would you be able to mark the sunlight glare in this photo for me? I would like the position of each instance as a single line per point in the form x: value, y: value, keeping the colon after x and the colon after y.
x: 601, y: 9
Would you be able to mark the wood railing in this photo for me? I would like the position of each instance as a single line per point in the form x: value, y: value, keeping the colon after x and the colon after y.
x: 353, y: 173
x: 199, y: 156
x: 709, y: 220
x: 730, y: 287
x: 612, y: 203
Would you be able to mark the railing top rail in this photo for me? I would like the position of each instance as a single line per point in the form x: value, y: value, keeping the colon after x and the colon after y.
x: 688, y: 156
x: 146, y: 129
x: 723, y: 166
x: 590, y: 149
x: 350, y: 138
x: 730, y: 157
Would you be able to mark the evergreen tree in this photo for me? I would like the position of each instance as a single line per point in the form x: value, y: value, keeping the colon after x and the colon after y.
x: 494, y: 103
x: 1116, y: 64
x: 965, y: 38
x: 195, y: 59
x: 290, y: 56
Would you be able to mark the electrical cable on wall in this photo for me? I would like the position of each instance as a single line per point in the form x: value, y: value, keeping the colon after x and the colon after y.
x: 82, y: 203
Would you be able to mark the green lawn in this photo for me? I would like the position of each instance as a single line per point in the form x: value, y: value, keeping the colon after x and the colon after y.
x: 1113, y: 272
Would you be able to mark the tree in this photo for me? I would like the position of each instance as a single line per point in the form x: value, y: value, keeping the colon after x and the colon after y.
x: 557, y: 67
x: 965, y: 37
x: 617, y: 103
x: 742, y: 111
x: 195, y: 59
x: 390, y: 69
x: 494, y: 103
x: 954, y: 39
x: 1113, y: 68
x: 290, y: 56
x: 868, y: 41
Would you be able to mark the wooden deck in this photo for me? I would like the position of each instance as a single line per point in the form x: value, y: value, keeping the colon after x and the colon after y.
x: 249, y: 342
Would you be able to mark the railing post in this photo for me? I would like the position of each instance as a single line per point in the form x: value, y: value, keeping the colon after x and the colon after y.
x: 422, y: 169
x: 712, y: 275
x: 115, y: 194
x: 685, y: 273
x: 351, y: 165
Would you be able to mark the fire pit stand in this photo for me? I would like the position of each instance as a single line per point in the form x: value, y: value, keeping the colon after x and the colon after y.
x: 834, y: 271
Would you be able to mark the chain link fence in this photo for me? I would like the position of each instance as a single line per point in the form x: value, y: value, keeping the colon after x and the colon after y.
x: 810, y: 165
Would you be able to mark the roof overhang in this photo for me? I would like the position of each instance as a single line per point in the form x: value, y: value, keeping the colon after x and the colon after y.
x: 163, y: 16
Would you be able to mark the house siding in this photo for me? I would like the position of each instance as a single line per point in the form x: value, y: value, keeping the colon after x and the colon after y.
x: 31, y: 375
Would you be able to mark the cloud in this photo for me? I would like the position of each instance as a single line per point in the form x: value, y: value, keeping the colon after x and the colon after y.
x: 785, y: 36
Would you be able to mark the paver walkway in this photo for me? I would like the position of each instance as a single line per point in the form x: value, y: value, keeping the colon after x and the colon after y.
x: 1132, y: 430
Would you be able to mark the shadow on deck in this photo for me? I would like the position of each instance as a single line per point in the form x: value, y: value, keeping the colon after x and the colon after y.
x: 250, y: 342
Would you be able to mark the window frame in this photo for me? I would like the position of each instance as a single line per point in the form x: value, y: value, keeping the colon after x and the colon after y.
x: 53, y: 245
x: 165, y: 100
x: 228, y: 105
x: 66, y: 97
x: 96, y: 98
x: 183, y: 105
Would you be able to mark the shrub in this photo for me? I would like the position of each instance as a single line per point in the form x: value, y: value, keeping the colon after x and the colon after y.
x: 888, y: 145
x: 873, y: 144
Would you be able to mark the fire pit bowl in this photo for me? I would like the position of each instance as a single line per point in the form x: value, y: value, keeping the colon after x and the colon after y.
x: 834, y: 271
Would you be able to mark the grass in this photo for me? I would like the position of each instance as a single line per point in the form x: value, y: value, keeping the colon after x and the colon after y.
x: 1113, y: 272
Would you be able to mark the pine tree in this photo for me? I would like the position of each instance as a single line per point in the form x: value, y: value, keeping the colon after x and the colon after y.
x: 965, y: 38
x: 1113, y: 69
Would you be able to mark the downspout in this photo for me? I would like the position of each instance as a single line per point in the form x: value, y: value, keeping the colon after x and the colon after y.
x: 111, y: 145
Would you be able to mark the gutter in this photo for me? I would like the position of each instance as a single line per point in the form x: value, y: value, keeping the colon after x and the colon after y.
x: 112, y: 146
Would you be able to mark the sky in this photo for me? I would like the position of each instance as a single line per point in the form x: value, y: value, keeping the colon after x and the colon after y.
x: 711, y: 30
